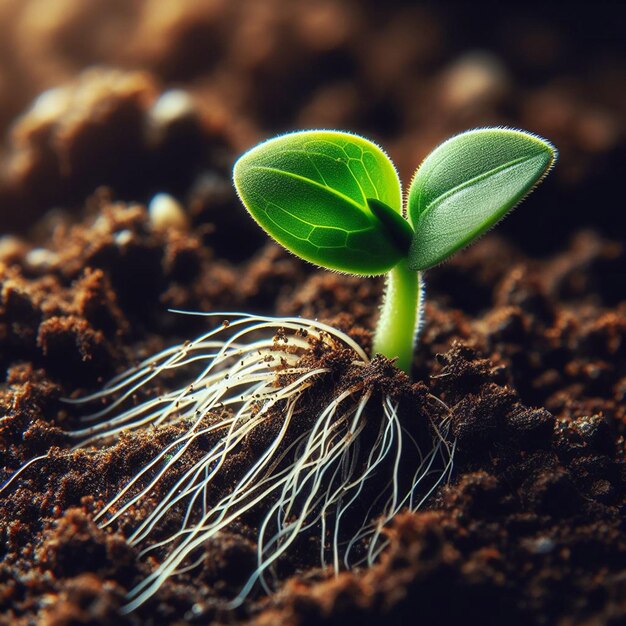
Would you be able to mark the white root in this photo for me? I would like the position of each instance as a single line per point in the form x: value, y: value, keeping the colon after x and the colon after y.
x: 305, y: 479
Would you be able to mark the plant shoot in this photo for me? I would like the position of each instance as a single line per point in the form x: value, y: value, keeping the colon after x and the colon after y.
x: 335, y: 199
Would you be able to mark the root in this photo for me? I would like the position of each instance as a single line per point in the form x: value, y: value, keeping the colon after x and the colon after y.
x: 305, y: 479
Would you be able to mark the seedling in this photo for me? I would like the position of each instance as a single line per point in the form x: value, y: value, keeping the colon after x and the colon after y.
x: 335, y: 199
x: 342, y: 470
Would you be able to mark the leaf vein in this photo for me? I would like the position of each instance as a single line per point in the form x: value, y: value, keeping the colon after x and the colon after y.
x: 476, y: 179
x: 304, y: 179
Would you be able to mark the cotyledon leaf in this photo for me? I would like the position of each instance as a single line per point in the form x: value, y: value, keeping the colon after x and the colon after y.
x: 469, y: 183
x: 310, y: 190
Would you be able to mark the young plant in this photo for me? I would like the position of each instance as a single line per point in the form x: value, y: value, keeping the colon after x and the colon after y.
x: 336, y: 454
x: 335, y: 199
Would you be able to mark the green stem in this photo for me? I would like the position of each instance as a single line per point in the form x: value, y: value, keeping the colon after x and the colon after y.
x: 400, y: 316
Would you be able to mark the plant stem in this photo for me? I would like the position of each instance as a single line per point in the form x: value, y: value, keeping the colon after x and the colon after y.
x: 400, y: 316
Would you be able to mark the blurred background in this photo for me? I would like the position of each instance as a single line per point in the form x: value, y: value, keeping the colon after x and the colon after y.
x: 150, y: 96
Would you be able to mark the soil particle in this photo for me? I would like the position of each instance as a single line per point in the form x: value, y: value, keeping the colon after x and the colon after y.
x: 75, y: 539
x: 85, y: 599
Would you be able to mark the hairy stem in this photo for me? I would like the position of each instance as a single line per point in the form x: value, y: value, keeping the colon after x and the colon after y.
x: 400, y: 316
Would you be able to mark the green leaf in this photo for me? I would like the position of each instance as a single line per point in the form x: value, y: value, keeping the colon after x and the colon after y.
x: 309, y: 190
x: 469, y: 183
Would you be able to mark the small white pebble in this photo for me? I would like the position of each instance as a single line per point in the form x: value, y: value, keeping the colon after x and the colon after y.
x: 166, y: 212
x: 543, y: 545
x: 51, y: 104
x: 41, y: 258
x: 172, y: 105
x: 123, y: 237
x: 474, y: 78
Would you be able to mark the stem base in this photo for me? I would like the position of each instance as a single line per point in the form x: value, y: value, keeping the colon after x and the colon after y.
x: 401, y: 316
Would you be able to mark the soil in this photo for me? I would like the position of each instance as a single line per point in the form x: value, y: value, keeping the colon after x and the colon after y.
x: 525, y: 334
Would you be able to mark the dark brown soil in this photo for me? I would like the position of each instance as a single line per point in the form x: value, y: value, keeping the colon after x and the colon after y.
x: 525, y: 335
